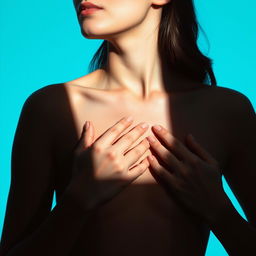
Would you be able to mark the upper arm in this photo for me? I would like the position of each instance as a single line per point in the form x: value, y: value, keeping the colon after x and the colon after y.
x: 32, y: 172
x: 240, y: 172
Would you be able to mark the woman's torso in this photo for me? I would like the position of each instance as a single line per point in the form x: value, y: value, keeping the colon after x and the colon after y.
x: 142, y: 219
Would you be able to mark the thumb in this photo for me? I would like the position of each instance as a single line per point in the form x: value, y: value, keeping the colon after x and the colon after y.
x: 88, y: 134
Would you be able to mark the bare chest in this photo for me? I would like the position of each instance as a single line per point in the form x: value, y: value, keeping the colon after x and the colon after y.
x: 143, y: 215
x: 179, y: 115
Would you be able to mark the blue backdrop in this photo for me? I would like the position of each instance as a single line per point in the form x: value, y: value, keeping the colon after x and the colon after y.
x: 41, y: 44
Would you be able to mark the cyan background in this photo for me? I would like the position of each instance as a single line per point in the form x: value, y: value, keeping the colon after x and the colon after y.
x: 41, y: 44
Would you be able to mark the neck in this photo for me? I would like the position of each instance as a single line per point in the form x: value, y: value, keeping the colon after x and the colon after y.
x: 134, y: 63
x: 137, y: 69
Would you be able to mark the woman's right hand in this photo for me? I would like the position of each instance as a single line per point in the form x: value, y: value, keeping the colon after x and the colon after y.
x: 102, y: 168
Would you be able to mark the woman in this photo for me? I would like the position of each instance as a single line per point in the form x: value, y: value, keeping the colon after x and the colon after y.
x: 112, y: 198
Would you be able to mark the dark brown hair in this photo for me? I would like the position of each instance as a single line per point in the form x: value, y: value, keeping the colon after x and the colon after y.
x: 177, y: 44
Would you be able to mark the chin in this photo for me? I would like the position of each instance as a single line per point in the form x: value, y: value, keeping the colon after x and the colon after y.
x: 93, y: 35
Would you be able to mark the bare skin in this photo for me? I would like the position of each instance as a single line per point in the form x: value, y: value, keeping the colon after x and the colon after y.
x: 142, y: 218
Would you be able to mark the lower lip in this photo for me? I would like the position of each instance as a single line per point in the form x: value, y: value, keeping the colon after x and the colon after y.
x: 89, y: 11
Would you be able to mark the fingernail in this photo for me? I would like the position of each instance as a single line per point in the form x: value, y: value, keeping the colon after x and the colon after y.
x: 157, y: 127
x: 144, y: 125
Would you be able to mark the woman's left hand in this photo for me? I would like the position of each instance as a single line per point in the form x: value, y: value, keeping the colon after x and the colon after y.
x: 191, y: 176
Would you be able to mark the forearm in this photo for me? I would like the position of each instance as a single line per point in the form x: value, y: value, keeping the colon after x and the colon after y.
x: 57, y: 234
x: 236, y: 235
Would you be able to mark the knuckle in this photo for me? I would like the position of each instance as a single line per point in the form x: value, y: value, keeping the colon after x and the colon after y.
x: 115, y: 129
x: 111, y: 155
x: 129, y: 137
x: 97, y: 148
x: 137, y: 151
x: 119, y: 167
x: 123, y: 122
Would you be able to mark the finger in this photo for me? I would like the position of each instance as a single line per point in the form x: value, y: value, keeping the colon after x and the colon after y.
x: 81, y: 143
x: 137, y: 170
x: 200, y: 151
x: 175, y: 145
x: 89, y: 134
x: 134, y: 154
x: 111, y: 134
x: 165, y: 155
x: 161, y: 172
x: 128, y: 139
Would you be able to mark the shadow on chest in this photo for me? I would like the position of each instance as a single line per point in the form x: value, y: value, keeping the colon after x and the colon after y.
x: 179, y: 118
